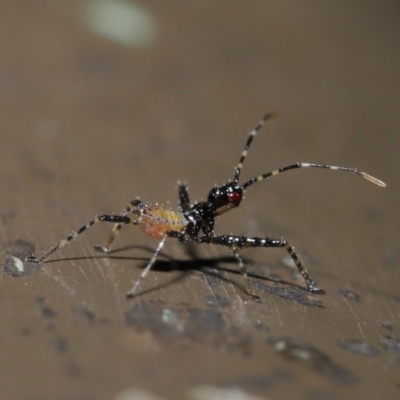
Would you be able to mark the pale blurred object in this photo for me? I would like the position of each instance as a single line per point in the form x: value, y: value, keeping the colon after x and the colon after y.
x: 127, y: 24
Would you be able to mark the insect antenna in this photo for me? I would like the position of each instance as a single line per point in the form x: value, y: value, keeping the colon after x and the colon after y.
x: 313, y: 165
x: 252, y: 134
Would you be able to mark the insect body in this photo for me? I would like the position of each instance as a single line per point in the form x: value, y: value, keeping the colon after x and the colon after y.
x: 156, y: 221
x: 195, y: 223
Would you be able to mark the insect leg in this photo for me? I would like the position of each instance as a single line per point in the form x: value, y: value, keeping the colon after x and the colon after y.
x: 131, y: 292
x: 113, y: 234
x: 249, y: 287
x: 243, y: 241
x: 118, y: 219
x: 184, y: 200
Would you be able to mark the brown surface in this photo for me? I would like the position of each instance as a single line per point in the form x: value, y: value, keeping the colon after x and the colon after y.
x: 88, y: 124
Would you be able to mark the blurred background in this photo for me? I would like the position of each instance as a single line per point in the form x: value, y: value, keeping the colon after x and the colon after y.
x: 104, y: 101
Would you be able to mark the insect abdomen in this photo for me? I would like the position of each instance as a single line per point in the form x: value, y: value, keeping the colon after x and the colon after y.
x: 156, y: 221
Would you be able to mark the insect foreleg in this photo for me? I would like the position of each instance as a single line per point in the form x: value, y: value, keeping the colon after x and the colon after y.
x: 118, y: 219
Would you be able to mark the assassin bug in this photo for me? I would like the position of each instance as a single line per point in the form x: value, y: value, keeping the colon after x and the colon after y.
x: 195, y: 223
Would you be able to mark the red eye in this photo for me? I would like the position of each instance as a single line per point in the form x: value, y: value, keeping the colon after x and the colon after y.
x: 234, y: 197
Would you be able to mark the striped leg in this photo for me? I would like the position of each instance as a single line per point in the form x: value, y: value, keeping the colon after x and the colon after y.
x: 131, y: 292
x: 243, y: 241
x: 184, y: 200
x: 117, y: 219
x: 249, y: 287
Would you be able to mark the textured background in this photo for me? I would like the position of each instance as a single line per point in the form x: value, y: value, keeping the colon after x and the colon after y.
x: 105, y: 101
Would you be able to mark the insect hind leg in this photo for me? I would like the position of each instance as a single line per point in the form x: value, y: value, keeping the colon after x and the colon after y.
x: 243, y: 241
x: 310, y: 283
x: 249, y: 286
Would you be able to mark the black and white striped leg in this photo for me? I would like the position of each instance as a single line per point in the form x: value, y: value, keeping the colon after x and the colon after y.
x: 249, y: 287
x: 131, y: 292
x: 243, y: 241
x: 184, y: 199
x: 117, y: 219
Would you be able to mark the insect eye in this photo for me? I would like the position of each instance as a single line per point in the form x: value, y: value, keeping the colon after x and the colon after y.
x: 234, y: 197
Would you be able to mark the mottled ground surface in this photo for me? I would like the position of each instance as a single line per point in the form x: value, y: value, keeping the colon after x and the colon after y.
x: 102, y: 102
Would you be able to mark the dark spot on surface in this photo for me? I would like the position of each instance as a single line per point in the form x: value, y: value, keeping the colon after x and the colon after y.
x: 48, y: 312
x: 175, y: 322
x: 73, y: 369
x: 26, y: 331
x: 206, y: 320
x: 59, y: 344
x: 14, y: 263
x: 212, y: 276
x: 261, y: 327
x: 45, y: 311
x: 86, y: 315
x: 300, y: 350
x: 391, y: 344
x: 300, y: 297
x: 358, y: 347
x: 145, y: 315
x: 7, y: 216
x: 395, y: 298
x: 387, y: 326
x: 350, y: 295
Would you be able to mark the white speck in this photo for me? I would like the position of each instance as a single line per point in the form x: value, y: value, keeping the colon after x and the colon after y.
x: 18, y: 264
x: 172, y: 319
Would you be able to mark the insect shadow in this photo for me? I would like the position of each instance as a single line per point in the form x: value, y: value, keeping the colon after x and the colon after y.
x: 210, y: 266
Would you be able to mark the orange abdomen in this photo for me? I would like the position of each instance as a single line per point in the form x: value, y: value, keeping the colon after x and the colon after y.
x: 156, y: 221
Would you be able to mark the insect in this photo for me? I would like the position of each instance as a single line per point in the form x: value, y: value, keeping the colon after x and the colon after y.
x: 195, y: 222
